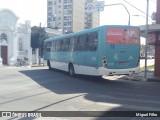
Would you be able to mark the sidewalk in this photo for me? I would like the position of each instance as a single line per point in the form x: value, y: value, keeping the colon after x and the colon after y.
x: 140, y: 77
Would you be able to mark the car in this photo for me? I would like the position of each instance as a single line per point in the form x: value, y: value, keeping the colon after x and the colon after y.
x: 150, y: 57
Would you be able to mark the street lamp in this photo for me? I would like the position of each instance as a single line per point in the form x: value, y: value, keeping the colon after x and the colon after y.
x: 125, y: 9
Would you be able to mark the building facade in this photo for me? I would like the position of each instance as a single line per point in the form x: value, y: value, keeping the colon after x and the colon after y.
x: 14, y: 39
x: 70, y: 15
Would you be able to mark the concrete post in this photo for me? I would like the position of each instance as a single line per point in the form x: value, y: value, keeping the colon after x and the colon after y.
x: 0, y: 57
x: 37, y: 55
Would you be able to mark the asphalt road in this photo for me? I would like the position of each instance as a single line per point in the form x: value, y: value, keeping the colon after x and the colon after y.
x: 38, y: 89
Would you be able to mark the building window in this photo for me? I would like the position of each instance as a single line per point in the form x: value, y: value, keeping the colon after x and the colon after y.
x: 65, y: 1
x: 59, y: 1
x: 49, y: 19
x: 69, y: 11
x: 3, y: 37
x: 54, y: 2
x: 69, y: 23
x: 50, y: 8
x: 65, y: 23
x: 49, y: 13
x: 65, y: 17
x: 65, y: 6
x: 50, y: 3
x: 69, y: 6
x: 69, y: 1
x: 20, y: 44
x: 49, y: 24
x: 69, y: 17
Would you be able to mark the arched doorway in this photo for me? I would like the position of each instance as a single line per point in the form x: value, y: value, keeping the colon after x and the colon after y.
x: 4, y: 48
x: 4, y: 54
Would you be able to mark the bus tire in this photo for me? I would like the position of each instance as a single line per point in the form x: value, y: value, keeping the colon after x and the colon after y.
x: 49, y: 64
x: 71, y: 70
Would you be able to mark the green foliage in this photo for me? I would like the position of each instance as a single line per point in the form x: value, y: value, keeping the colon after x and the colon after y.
x: 38, y: 35
x: 148, y: 68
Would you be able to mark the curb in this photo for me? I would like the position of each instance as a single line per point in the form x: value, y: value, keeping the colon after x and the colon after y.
x: 136, y: 78
x: 140, y: 78
x: 38, y: 65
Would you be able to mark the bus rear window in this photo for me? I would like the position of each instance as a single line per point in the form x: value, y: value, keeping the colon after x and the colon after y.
x: 122, y: 36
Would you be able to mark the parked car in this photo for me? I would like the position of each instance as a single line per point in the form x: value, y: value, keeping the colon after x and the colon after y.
x: 150, y: 56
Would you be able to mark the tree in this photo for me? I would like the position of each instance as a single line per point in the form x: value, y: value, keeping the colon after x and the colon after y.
x: 38, y: 35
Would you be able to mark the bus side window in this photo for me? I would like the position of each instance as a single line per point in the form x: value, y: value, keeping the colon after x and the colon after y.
x: 93, y: 41
x: 61, y: 45
x: 58, y: 46
x: 86, y: 42
x: 44, y: 47
x: 81, y: 41
x: 83, y: 45
x: 65, y: 46
x: 71, y: 44
x: 76, y: 42
x: 48, y: 47
x: 53, y: 46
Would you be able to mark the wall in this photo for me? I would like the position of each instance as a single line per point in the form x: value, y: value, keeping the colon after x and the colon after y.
x: 78, y: 15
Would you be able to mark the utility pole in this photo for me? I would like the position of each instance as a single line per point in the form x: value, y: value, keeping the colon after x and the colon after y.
x: 145, y: 74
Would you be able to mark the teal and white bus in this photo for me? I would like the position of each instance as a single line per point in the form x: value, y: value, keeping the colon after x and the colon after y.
x: 104, y: 50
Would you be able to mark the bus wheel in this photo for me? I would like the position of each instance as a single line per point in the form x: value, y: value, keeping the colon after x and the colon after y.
x: 49, y: 65
x: 71, y: 70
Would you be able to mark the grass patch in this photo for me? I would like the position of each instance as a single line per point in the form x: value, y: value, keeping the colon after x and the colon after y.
x: 148, y: 68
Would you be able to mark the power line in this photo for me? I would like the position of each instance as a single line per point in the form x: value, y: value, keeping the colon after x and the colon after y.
x: 135, y: 7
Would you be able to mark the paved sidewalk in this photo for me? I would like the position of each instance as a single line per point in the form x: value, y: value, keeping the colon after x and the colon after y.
x: 140, y: 77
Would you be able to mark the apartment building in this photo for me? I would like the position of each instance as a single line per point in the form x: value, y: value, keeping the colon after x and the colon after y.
x: 70, y: 15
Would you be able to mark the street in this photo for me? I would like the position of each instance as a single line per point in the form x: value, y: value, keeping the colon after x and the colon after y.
x: 38, y: 89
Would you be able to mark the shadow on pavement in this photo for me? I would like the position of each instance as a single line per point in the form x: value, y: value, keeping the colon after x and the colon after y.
x: 124, y: 95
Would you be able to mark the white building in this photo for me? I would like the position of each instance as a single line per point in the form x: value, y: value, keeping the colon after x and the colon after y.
x: 70, y: 15
x: 15, y: 39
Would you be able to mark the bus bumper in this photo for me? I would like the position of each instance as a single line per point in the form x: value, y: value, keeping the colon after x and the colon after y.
x: 105, y: 71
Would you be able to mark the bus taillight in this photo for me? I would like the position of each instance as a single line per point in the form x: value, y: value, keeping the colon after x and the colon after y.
x: 138, y: 61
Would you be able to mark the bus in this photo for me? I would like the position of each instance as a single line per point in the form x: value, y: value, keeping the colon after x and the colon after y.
x: 104, y: 50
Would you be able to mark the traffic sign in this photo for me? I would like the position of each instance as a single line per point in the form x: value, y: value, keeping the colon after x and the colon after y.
x: 95, y: 6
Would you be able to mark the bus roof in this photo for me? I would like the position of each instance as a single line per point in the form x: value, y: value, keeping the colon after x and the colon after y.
x: 87, y: 30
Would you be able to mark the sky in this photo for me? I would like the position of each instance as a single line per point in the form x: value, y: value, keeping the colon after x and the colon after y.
x: 36, y: 11
x: 117, y: 14
x: 33, y: 10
